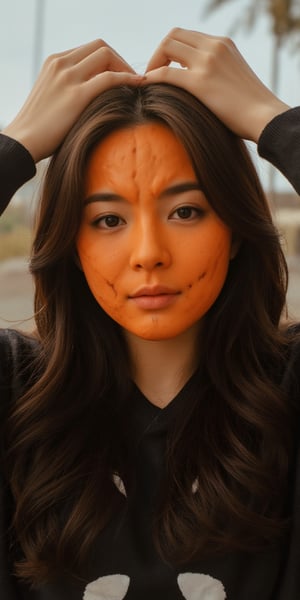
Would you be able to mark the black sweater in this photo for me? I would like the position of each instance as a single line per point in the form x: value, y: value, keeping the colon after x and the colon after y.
x: 123, y: 561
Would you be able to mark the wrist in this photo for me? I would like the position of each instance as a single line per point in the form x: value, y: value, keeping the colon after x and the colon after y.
x: 264, y: 116
x: 22, y: 137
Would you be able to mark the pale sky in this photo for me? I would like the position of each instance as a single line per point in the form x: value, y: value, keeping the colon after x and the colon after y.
x: 134, y: 28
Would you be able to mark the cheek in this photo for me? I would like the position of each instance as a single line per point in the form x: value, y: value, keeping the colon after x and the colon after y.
x: 208, y: 259
x: 207, y: 273
x: 218, y: 262
x: 101, y: 268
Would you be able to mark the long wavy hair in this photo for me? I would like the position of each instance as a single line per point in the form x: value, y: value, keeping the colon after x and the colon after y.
x: 65, y: 436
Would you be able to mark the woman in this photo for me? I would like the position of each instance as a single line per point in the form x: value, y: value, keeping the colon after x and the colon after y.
x: 160, y: 283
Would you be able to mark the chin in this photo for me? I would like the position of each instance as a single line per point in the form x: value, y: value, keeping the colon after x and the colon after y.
x: 158, y: 335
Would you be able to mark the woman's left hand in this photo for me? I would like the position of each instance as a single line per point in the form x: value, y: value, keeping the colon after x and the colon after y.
x: 67, y: 83
x: 215, y: 72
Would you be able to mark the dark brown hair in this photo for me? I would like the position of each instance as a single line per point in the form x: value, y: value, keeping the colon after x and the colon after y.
x: 65, y: 436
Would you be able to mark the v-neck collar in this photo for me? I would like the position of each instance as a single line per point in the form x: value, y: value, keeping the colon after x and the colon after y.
x: 147, y: 415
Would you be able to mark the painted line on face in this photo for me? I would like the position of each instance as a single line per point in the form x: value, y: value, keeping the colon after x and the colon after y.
x: 179, y: 243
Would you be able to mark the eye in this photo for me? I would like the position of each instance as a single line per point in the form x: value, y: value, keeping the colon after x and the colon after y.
x: 187, y: 213
x: 108, y: 222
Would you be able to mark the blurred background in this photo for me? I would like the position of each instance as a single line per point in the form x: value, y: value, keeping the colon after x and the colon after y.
x: 267, y: 32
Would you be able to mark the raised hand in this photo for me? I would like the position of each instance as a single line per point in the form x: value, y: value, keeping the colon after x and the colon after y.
x: 67, y: 83
x: 215, y: 72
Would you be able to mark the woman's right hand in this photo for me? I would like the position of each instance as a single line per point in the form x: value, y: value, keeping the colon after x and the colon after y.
x: 217, y: 74
x: 67, y: 83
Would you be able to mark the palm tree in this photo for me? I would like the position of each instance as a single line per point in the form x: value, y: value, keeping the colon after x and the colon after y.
x: 285, y: 25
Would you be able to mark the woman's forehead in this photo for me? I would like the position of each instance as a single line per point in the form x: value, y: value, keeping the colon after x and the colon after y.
x: 147, y: 154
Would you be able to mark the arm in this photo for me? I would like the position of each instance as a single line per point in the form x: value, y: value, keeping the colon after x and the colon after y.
x: 279, y: 143
x: 16, y: 167
x: 68, y: 82
x: 216, y: 73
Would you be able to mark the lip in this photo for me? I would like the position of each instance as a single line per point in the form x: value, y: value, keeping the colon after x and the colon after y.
x: 155, y: 290
x: 154, y: 298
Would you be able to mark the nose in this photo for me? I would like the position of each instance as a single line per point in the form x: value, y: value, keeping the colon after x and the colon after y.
x: 149, y: 248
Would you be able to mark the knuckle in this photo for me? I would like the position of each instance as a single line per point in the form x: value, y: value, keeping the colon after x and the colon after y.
x: 222, y: 45
x: 173, y: 34
x: 209, y: 62
x: 175, y: 31
x: 228, y: 42
x: 100, y: 42
x: 219, y: 48
x: 109, y: 77
x: 51, y: 59
x: 105, y: 52
x: 55, y: 63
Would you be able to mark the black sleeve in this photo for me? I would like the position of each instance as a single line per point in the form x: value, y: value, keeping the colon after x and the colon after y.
x: 279, y: 143
x: 16, y: 167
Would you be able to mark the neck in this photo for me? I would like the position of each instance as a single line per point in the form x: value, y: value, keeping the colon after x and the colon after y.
x: 161, y: 368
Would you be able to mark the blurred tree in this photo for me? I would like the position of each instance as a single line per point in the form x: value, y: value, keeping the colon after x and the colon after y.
x: 285, y: 27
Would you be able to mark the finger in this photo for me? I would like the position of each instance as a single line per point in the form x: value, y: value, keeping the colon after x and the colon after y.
x: 196, y: 39
x: 75, y: 55
x: 97, y: 45
x: 103, y: 59
x: 110, y: 79
x: 172, y: 51
x: 172, y: 75
x: 189, y: 39
x: 122, y: 60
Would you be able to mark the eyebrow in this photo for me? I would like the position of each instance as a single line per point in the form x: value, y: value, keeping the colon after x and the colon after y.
x: 173, y: 190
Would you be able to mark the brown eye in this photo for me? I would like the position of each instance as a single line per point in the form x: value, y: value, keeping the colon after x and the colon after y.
x: 108, y: 222
x: 185, y: 212
x: 111, y: 221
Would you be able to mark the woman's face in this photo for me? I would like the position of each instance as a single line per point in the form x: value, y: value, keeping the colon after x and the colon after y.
x: 154, y: 253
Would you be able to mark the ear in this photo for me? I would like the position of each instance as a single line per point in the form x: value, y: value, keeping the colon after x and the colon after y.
x: 235, y: 246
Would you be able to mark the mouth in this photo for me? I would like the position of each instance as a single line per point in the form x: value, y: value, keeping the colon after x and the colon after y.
x: 155, y: 290
x: 155, y: 297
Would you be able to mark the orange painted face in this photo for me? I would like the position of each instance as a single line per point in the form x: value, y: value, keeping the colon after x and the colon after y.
x: 154, y: 253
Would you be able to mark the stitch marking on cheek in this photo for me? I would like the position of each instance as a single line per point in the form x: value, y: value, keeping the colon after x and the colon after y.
x: 202, y: 276
x: 111, y: 285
